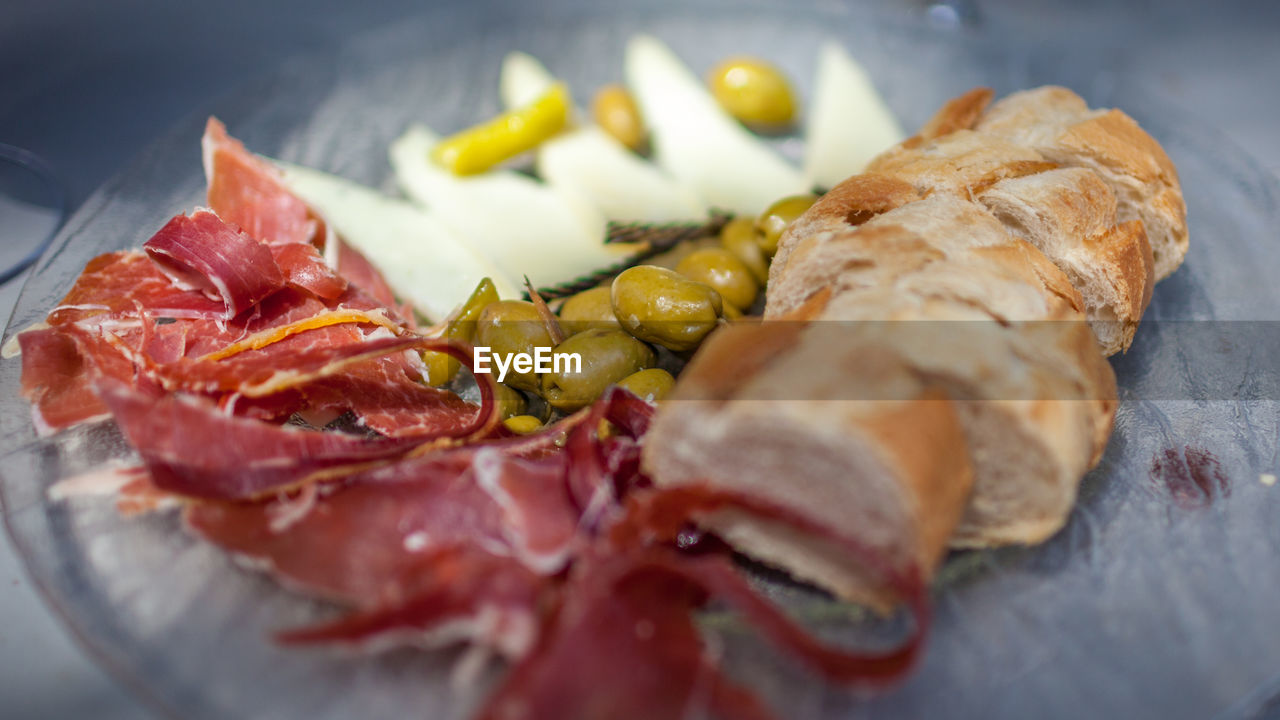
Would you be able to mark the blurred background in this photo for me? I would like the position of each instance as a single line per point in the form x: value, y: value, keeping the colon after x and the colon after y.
x: 85, y: 85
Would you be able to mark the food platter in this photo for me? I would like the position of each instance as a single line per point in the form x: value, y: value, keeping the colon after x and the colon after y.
x: 1157, y: 599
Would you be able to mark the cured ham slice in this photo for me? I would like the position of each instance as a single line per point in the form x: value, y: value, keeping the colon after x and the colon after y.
x: 172, y: 432
x: 366, y: 540
x: 387, y: 401
x: 202, y: 252
x: 305, y: 268
x: 623, y: 643
x: 192, y: 449
x: 56, y: 381
x: 250, y: 192
x: 470, y: 595
x: 455, y: 545
x: 385, y: 539
x: 128, y: 283
x: 247, y: 191
x: 623, y: 646
x: 371, y: 378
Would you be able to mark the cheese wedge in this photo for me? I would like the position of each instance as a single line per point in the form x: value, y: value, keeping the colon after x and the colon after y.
x: 423, y: 261
x: 523, y: 226
x: 849, y: 122
x: 698, y: 142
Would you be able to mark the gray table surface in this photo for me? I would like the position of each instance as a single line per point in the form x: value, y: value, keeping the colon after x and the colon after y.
x: 87, y: 84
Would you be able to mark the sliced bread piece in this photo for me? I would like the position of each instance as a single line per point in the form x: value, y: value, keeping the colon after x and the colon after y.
x: 1059, y: 125
x: 1070, y: 215
x: 744, y: 417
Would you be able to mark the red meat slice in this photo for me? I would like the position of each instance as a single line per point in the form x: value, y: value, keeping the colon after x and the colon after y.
x: 56, y: 381
x: 468, y: 534
x: 193, y: 449
x: 306, y: 269
x: 623, y: 646
x: 200, y: 251
x: 246, y: 191
x: 128, y: 284
x: 364, y: 541
x: 466, y: 595
x: 387, y: 400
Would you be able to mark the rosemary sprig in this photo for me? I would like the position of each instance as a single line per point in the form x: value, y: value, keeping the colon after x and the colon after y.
x: 665, y: 235
x: 651, y: 238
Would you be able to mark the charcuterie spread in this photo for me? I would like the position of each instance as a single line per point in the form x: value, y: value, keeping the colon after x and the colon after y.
x: 542, y: 411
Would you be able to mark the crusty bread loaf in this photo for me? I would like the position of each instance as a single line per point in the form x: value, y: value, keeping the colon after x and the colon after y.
x: 743, y: 416
x: 964, y: 262
x: 1070, y: 214
x: 985, y: 316
x: 1057, y: 123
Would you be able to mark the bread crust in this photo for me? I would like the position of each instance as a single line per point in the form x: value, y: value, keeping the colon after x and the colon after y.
x: 959, y: 113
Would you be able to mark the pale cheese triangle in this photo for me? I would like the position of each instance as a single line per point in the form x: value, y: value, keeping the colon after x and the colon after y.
x: 849, y: 123
x: 698, y: 142
x: 422, y: 260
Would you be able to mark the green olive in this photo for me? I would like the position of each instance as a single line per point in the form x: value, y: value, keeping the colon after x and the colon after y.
x: 615, y: 111
x: 650, y: 385
x: 753, y: 91
x: 723, y: 271
x: 508, y: 327
x: 774, y: 221
x: 523, y: 424
x: 440, y: 367
x: 664, y: 307
x: 605, y: 357
x: 510, y: 402
x: 588, y: 309
x: 740, y: 237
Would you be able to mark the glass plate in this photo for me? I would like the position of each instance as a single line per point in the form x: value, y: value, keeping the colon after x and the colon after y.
x: 1159, y: 598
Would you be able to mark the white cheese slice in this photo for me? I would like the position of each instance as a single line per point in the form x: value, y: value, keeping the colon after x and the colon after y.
x: 422, y: 260
x: 849, y: 122
x: 523, y: 226
x: 592, y: 164
x: 522, y: 80
x: 698, y: 142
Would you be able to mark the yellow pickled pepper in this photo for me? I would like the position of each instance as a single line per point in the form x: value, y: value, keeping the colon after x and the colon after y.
x: 479, y: 148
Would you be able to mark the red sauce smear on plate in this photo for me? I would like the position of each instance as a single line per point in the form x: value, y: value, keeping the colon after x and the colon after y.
x: 1192, y: 476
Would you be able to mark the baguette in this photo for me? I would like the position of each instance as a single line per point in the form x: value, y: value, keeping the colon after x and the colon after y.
x: 1036, y: 397
x: 1057, y: 123
x: 971, y: 277
x: 1070, y: 214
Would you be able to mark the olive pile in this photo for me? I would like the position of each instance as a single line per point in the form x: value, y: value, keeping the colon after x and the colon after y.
x: 617, y: 329
x: 649, y: 314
